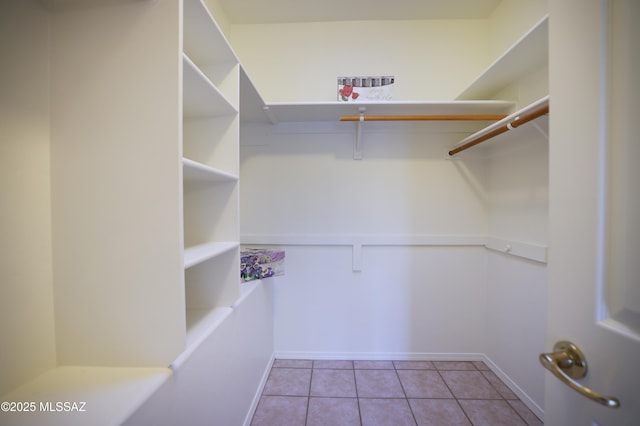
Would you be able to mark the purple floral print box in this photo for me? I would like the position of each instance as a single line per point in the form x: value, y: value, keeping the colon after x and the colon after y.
x: 258, y: 263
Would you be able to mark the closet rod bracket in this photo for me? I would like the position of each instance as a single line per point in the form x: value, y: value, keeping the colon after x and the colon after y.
x: 357, y: 145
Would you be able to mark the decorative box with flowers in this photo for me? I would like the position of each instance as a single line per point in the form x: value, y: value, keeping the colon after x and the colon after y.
x: 258, y: 263
x: 365, y: 89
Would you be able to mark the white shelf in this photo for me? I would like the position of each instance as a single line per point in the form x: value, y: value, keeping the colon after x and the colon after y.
x: 246, y: 288
x: 211, y: 86
x: 200, y: 324
x: 203, y: 252
x: 204, y: 42
x: 194, y: 172
x: 331, y: 111
x: 110, y: 394
x: 251, y: 103
x: 525, y: 250
x: 529, y: 52
x: 201, y: 97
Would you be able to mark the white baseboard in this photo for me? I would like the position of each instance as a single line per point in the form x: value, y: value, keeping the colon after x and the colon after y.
x: 258, y: 394
x: 372, y: 356
x: 530, y: 403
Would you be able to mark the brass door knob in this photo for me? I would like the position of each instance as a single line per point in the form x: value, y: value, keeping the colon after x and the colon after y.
x: 567, y: 363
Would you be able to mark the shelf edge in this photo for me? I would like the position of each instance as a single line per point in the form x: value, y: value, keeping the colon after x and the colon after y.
x: 477, y: 88
x: 195, y: 75
x: 201, y: 253
x: 198, y: 172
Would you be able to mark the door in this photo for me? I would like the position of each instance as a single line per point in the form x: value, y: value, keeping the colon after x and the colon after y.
x: 594, y: 206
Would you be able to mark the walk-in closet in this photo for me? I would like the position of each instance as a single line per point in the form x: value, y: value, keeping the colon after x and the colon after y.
x: 147, y: 145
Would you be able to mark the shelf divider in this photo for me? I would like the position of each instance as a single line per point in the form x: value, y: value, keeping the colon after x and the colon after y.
x: 198, y: 172
x: 202, y: 252
x: 201, y: 97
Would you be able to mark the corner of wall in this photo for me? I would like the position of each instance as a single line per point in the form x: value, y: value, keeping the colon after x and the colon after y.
x: 26, y: 293
x: 510, y: 20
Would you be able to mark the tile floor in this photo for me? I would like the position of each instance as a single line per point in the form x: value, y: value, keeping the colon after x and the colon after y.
x: 394, y: 393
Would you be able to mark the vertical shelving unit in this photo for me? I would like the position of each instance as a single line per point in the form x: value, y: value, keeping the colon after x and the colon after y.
x: 211, y: 79
x: 143, y: 148
x: 116, y: 183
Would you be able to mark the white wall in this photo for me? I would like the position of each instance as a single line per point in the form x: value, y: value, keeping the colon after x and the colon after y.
x: 406, y: 303
x: 26, y: 299
x: 516, y: 297
x: 518, y: 185
x: 303, y: 180
x: 516, y: 322
x: 305, y: 190
x: 518, y: 200
x: 510, y: 20
x: 406, y: 300
x: 432, y: 59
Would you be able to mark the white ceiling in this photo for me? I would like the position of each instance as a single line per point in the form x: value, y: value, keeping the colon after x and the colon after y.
x: 272, y: 11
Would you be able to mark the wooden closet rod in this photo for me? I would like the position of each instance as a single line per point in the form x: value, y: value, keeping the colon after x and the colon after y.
x: 517, y: 121
x: 420, y: 117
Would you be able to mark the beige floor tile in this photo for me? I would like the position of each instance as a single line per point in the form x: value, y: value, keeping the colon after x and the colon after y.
x: 280, y: 410
x: 454, y: 365
x: 378, y: 384
x: 438, y: 412
x: 386, y: 412
x: 333, y: 363
x: 491, y: 413
x: 373, y: 365
x: 395, y: 393
x: 469, y: 385
x: 524, y: 411
x: 480, y: 365
x: 499, y: 385
x: 414, y: 365
x: 333, y: 411
x: 288, y: 381
x: 336, y: 383
x: 423, y: 384
x: 293, y: 363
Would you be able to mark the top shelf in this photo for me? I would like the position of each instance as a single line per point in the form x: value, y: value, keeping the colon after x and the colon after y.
x: 529, y: 52
x: 204, y: 42
x: 331, y: 111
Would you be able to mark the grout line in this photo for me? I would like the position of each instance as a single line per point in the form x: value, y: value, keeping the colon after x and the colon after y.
x: 494, y: 388
x: 306, y: 416
x: 355, y: 382
x: 453, y: 395
x: 517, y: 412
x: 406, y: 398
